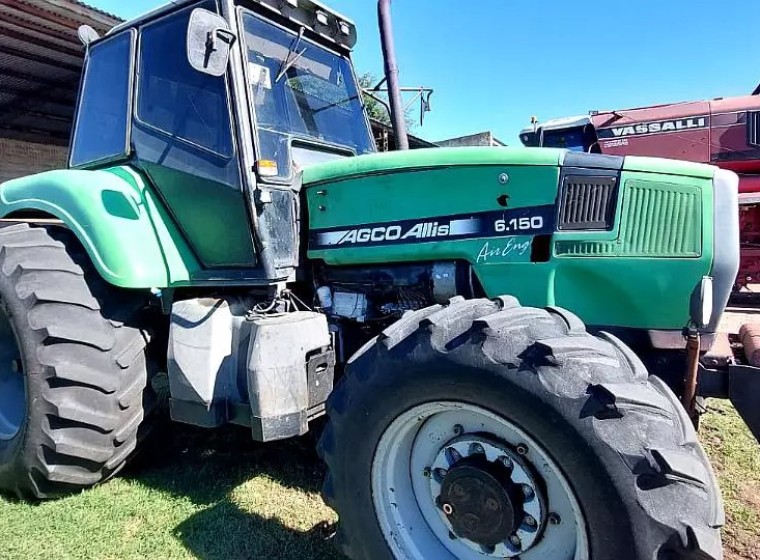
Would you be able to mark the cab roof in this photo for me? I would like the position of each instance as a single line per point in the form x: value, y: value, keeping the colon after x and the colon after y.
x: 339, y: 29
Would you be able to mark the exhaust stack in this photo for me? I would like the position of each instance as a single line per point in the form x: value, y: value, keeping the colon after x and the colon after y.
x: 391, y: 74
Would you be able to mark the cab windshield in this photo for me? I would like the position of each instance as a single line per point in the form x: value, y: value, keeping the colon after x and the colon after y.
x: 301, y: 92
x: 573, y: 139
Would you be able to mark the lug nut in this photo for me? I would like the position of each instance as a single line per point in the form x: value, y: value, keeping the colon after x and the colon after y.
x: 452, y: 455
x: 522, y: 449
x: 458, y: 430
x: 506, y: 461
x: 426, y: 472
x: 554, y: 519
x: 440, y: 474
x: 515, y: 541
x: 527, y: 491
x: 530, y: 521
x: 476, y: 449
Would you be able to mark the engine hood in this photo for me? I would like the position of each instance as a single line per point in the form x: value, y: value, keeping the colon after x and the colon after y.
x: 428, y: 158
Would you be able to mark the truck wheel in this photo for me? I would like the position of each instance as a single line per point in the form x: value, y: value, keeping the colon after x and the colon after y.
x: 483, y: 429
x: 74, y: 379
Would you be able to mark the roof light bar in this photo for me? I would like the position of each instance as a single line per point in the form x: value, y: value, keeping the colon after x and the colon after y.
x: 322, y: 18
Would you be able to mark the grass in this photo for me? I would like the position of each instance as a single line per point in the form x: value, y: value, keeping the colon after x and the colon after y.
x: 735, y: 455
x: 197, y: 494
x: 217, y: 495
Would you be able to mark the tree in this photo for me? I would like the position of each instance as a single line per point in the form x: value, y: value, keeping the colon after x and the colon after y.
x: 375, y: 109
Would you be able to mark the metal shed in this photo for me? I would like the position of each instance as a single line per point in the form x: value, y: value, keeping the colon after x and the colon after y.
x: 40, y: 66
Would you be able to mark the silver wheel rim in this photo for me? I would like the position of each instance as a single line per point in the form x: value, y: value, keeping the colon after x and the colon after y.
x: 12, y: 385
x: 405, y: 481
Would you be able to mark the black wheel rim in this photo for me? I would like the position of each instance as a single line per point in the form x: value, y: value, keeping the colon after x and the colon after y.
x: 12, y: 382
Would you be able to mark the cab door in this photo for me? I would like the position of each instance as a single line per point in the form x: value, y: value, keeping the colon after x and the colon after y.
x: 183, y: 140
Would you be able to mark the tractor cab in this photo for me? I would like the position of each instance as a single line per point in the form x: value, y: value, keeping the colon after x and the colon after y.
x: 220, y: 105
x: 576, y: 134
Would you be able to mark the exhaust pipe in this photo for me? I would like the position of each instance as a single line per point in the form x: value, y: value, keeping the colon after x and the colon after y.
x: 391, y: 74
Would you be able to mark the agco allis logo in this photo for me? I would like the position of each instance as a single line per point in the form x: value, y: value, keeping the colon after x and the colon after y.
x: 655, y: 127
x: 399, y: 233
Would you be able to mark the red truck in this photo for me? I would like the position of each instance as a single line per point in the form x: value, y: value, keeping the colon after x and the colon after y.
x: 724, y: 132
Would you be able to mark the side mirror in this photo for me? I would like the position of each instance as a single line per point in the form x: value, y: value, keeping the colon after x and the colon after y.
x: 209, y: 39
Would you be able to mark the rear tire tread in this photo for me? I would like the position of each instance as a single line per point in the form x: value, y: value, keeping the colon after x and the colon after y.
x: 93, y: 366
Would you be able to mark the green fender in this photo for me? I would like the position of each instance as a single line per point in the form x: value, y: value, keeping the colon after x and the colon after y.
x: 130, y: 238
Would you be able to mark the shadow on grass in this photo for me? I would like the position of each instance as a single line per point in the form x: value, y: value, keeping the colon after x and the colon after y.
x: 225, y: 532
x: 205, y: 466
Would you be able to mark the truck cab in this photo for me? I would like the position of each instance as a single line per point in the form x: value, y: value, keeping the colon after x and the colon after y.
x: 576, y: 134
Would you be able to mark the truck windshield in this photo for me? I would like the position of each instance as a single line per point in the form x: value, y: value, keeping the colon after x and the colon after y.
x: 573, y: 139
x: 301, y: 91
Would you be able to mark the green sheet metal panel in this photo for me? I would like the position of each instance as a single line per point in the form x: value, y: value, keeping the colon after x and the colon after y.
x: 127, y: 233
x: 669, y: 166
x: 429, y: 158
x: 640, y: 274
x: 211, y: 215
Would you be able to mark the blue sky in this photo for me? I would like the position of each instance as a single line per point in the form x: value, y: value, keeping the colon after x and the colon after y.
x: 494, y: 63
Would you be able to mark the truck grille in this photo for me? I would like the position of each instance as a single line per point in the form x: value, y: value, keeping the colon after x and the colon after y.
x: 587, y: 202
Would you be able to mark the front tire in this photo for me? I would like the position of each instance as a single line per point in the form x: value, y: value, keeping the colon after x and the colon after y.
x: 607, y: 454
x: 73, y: 352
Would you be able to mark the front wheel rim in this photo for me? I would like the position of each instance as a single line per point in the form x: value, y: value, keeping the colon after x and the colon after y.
x: 509, y: 497
x: 12, y: 382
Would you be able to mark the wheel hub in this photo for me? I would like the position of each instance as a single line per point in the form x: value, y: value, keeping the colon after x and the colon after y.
x: 12, y: 383
x: 482, y: 502
x: 487, y: 495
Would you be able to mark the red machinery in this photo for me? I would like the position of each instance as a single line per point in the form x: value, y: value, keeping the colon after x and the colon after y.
x: 723, y: 132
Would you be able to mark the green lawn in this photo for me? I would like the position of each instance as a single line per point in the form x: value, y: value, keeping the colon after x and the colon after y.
x: 736, y: 457
x: 197, y: 494
x: 217, y: 495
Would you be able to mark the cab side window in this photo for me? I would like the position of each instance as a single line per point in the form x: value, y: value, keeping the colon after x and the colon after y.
x: 177, y: 100
x: 102, y: 122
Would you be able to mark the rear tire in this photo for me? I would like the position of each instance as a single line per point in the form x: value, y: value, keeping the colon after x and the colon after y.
x: 80, y: 358
x: 584, y: 406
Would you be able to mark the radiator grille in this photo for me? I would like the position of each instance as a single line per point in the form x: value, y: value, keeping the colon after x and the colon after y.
x: 657, y: 220
x: 587, y: 202
x: 661, y: 219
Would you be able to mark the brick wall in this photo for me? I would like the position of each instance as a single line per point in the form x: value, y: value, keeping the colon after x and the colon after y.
x: 23, y: 158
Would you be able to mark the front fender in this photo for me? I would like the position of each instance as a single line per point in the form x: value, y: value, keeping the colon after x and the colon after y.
x: 129, y: 236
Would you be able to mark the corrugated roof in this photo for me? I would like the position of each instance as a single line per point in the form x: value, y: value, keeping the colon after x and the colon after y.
x: 99, y: 11
x: 40, y: 65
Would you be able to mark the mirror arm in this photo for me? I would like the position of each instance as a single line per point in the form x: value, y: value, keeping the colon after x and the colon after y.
x: 219, y: 33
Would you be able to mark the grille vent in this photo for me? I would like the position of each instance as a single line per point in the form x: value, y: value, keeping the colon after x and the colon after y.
x: 587, y: 202
x: 661, y: 219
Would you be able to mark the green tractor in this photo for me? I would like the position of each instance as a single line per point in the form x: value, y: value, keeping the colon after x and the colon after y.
x: 223, y: 222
